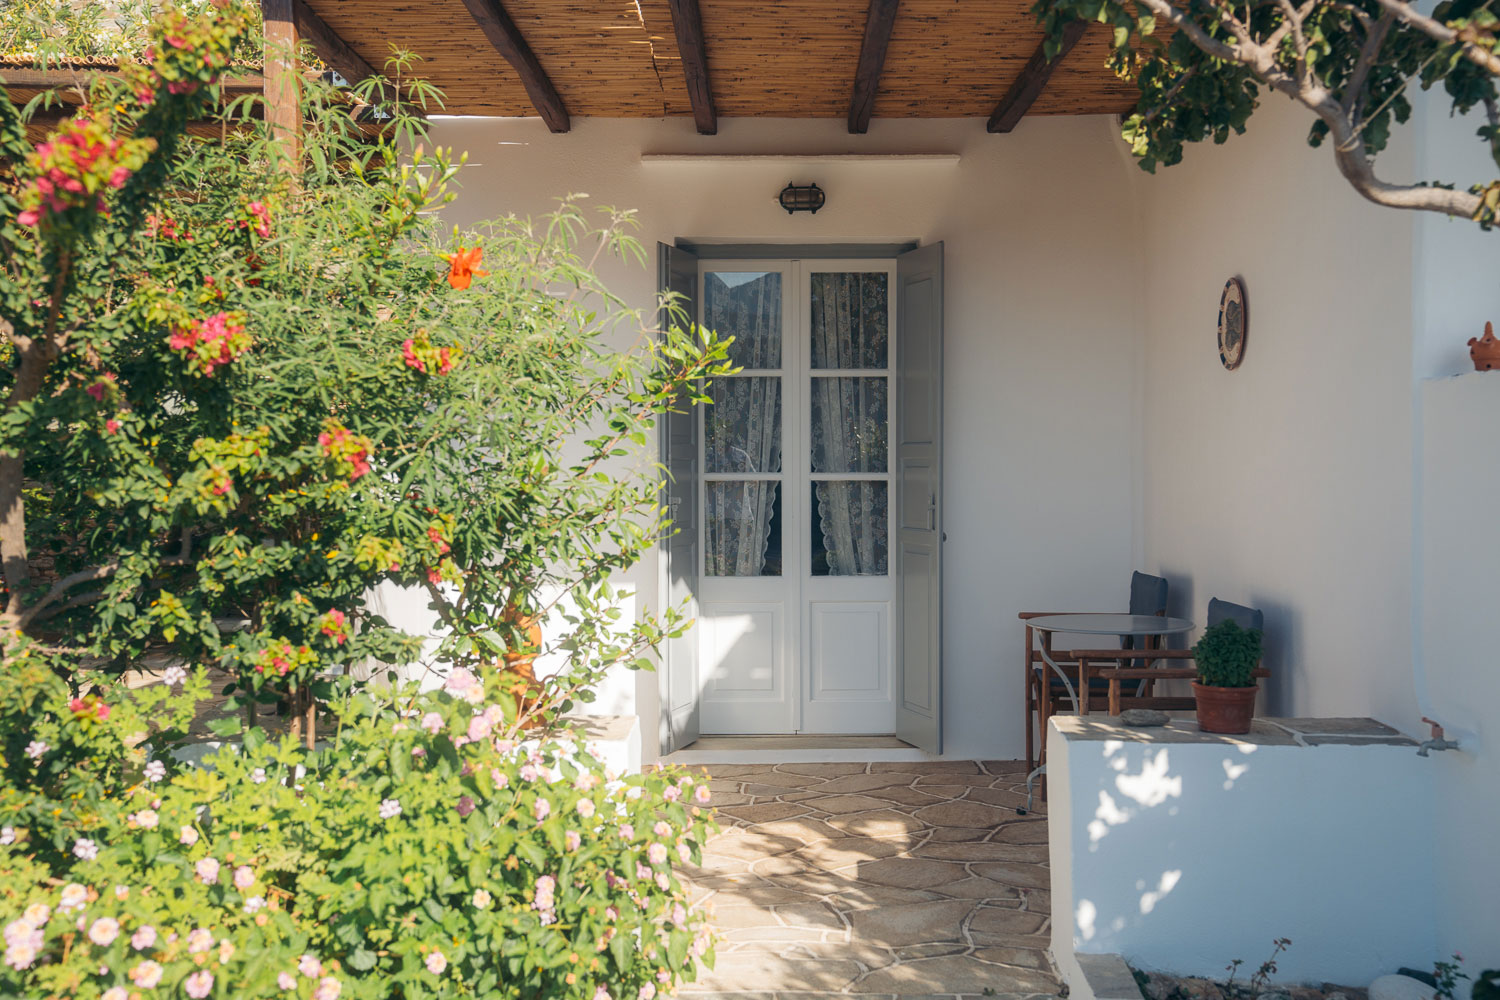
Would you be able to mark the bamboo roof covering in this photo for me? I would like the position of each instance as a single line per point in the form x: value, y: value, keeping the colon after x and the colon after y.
x: 766, y: 58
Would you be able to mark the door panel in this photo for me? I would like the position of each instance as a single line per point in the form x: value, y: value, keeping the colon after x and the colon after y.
x: 918, y: 432
x: 678, y: 680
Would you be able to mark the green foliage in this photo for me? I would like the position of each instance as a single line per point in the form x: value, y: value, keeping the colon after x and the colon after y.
x: 1189, y: 94
x: 242, y: 402
x: 418, y: 855
x: 1226, y: 655
x: 50, y: 32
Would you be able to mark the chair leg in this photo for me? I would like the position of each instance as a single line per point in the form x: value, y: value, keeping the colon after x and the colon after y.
x: 1032, y: 704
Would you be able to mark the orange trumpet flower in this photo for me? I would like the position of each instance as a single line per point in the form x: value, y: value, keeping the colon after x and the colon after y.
x: 463, y: 266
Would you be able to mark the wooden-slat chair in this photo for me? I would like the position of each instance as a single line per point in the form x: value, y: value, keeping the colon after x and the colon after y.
x: 1148, y: 596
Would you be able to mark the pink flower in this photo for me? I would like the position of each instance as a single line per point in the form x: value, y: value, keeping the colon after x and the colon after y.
x: 601, y: 993
x: 586, y: 808
x: 528, y: 772
x: 432, y: 722
x: 436, y: 962
x: 104, y: 931
x: 571, y: 840
x: 662, y: 828
x: 188, y: 836
x: 479, y: 728
x: 111, y: 426
x: 208, y: 870
x: 310, y: 967
x: 627, y: 831
x: 657, y: 853
x: 647, y: 992
x: 146, y: 975
x: 244, y: 878
x: 328, y: 989
x: 542, y: 809
x: 459, y: 681
x: 672, y: 793
x: 286, y: 981
x: 30, y: 217
x: 198, y: 984
x: 499, y: 777
x: 684, y: 852
x: 114, y: 992
x: 701, y: 794
x: 143, y: 938
x: 200, y: 939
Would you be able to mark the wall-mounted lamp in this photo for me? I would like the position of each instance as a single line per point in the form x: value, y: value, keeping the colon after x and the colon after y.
x: 802, y: 198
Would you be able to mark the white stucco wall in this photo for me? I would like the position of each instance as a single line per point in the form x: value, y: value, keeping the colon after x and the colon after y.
x: 1042, y: 335
x: 1285, y: 484
x: 1183, y: 856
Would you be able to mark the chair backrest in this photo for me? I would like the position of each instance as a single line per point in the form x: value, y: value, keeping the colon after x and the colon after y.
x: 1242, y: 616
x: 1148, y: 596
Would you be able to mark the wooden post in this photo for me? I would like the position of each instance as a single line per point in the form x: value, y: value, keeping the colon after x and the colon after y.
x: 283, y: 87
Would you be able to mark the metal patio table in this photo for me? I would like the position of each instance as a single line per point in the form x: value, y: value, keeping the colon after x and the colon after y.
x: 1131, y: 626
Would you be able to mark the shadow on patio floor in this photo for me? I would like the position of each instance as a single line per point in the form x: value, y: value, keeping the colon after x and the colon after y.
x: 884, y: 879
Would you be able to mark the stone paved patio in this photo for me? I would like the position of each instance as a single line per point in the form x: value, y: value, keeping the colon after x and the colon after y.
x: 882, y: 880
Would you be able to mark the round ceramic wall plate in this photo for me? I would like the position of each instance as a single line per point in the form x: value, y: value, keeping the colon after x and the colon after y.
x: 1234, y: 323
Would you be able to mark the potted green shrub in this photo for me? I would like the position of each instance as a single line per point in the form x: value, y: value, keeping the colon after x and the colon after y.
x: 1225, y: 689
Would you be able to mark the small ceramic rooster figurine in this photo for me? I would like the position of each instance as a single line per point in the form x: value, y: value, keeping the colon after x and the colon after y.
x: 1485, y: 350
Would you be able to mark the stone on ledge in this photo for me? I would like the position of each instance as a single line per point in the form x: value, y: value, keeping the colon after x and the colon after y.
x: 1144, y: 717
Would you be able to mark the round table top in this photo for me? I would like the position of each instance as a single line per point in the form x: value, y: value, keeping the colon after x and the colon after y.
x: 1094, y: 624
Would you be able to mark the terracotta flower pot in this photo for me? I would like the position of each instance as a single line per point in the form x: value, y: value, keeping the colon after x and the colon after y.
x: 519, y: 663
x: 1485, y: 351
x: 1225, y: 710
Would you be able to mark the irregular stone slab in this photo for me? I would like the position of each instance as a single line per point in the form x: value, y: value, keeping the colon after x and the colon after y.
x: 964, y: 813
x: 916, y: 951
x: 782, y: 864
x: 910, y: 873
x: 953, y: 974
x: 765, y: 811
x: 994, y: 920
x: 959, y: 834
x: 1006, y: 798
x: 818, y: 915
x: 785, y: 779
x: 866, y: 895
x: 777, y: 935
x: 763, y: 791
x: 1014, y: 874
x: 865, y: 782
x: 731, y: 917
x: 980, y: 888
x: 906, y: 795
x: 840, y: 804
x: 868, y: 956
x: 1004, y: 766
x: 803, y: 830
x: 738, y: 969
x: 1029, y: 832
x: 748, y: 844
x: 830, y: 770
x: 953, y: 780
x: 737, y: 770
x: 915, y: 923
x: 845, y: 851
x: 886, y: 823
x: 982, y: 851
x: 1037, y: 900
x: 1026, y: 958
x: 925, y: 766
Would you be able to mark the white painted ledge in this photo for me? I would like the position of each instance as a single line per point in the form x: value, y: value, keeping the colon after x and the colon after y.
x: 1181, y: 850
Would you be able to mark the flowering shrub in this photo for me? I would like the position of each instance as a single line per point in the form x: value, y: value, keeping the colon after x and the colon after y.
x: 73, y: 169
x: 209, y: 343
x: 420, y: 856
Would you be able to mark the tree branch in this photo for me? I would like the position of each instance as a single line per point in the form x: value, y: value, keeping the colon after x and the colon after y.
x: 1476, y: 54
x: 1354, y: 99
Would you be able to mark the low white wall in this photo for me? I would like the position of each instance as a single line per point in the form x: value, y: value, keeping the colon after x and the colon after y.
x: 1042, y: 334
x: 1460, y: 631
x: 1182, y: 857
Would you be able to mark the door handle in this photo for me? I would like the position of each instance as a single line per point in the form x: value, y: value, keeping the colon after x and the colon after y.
x: 931, y: 511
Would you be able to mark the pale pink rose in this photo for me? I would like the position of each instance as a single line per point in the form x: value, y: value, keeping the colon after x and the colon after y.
x: 104, y: 931
x: 146, y: 975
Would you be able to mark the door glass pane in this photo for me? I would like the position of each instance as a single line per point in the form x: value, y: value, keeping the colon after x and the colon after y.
x: 850, y: 528
x: 850, y: 325
x: 849, y: 424
x: 746, y: 306
x: 742, y: 528
x: 742, y: 429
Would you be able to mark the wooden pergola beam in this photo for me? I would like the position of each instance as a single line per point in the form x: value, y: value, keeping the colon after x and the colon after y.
x: 1032, y: 81
x: 687, y: 25
x: 331, y: 48
x: 878, y: 24
x: 509, y: 42
x: 283, y: 88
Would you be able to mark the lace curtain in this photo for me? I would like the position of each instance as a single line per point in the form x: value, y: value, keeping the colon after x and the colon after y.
x: 850, y: 330
x: 743, y: 424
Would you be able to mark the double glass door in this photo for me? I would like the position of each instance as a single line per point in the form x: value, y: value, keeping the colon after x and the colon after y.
x: 796, y: 588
